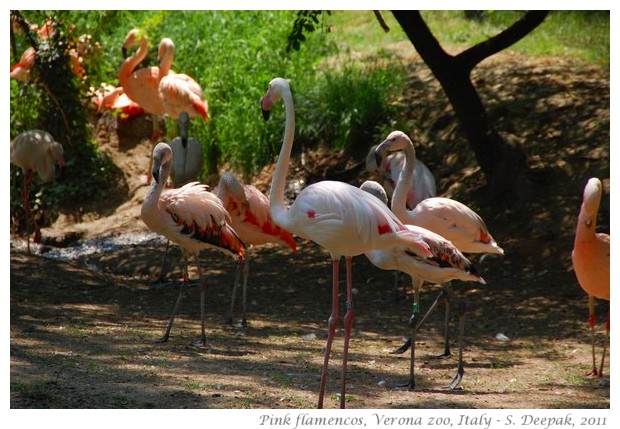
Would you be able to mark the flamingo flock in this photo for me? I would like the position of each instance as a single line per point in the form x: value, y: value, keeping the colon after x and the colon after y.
x: 421, y: 234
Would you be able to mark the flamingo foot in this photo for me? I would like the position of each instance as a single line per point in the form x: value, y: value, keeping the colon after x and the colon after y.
x: 457, y: 379
x: 402, y: 349
x: 444, y: 355
x: 593, y: 373
x: 410, y: 385
x: 163, y: 339
x: 201, y: 343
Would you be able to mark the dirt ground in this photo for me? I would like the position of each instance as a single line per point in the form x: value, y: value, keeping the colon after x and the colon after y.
x: 83, y: 332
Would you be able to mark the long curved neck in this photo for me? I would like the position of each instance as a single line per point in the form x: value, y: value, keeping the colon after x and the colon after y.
x: 130, y: 64
x: 165, y: 62
x: 278, y: 183
x: 399, y: 198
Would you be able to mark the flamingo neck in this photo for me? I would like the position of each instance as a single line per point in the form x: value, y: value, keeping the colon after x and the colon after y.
x: 399, y: 198
x: 165, y: 63
x: 130, y: 64
x: 278, y: 183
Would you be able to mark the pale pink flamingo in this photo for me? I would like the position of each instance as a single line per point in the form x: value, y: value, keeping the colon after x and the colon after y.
x: 449, y: 218
x: 249, y: 209
x: 422, y: 183
x: 190, y: 216
x: 142, y: 85
x: 339, y: 217
x: 36, y: 152
x: 447, y: 264
x: 179, y: 92
x: 591, y: 260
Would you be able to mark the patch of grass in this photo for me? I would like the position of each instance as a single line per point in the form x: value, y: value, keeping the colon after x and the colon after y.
x: 282, y: 380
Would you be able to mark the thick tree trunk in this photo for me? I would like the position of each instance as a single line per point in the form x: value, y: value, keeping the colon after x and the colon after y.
x: 502, y: 160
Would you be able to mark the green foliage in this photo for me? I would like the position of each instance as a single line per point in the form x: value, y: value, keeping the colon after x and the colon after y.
x: 306, y: 21
x: 350, y: 107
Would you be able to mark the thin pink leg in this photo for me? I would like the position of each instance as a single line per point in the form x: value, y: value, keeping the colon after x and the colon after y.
x: 600, y: 372
x: 592, y: 322
x: 348, y: 323
x: 331, y: 327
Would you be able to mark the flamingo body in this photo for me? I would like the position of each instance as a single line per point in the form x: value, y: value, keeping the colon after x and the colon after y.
x: 179, y: 92
x: 188, y: 158
x: 190, y: 216
x: 21, y: 70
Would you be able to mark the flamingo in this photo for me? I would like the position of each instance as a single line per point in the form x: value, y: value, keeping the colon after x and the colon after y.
x: 21, y: 70
x: 449, y: 218
x: 178, y: 92
x: 447, y: 264
x: 187, y: 162
x: 36, y: 152
x: 108, y: 97
x: 590, y: 258
x: 422, y: 183
x: 142, y: 85
x: 249, y: 210
x: 339, y: 217
x: 190, y: 216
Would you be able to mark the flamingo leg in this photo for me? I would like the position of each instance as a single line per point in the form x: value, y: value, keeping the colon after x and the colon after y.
x: 415, y: 325
x: 331, y: 328
x: 28, y: 175
x: 178, y: 302
x: 203, y: 294
x: 407, y: 344
x: 600, y: 373
x: 246, y: 274
x: 592, y: 322
x: 461, y: 311
x: 233, y: 296
x: 449, y: 295
x: 348, y: 324
x: 162, y: 273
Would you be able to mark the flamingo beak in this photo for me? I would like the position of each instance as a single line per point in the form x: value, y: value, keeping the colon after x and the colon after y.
x: 379, y: 155
x: 124, y: 52
x: 265, y: 104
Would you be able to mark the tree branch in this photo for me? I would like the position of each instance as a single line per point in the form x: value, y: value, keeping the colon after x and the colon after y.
x: 379, y: 17
x: 472, y: 56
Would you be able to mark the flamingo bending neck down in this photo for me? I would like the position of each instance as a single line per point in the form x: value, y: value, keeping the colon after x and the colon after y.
x: 339, y: 217
x: 191, y: 216
x: 447, y: 264
x: 249, y: 210
x: 591, y: 256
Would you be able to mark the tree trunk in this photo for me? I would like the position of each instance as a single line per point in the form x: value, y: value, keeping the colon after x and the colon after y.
x: 502, y: 160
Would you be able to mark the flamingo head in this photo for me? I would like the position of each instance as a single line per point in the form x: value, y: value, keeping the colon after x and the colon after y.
x: 591, y: 201
x: 396, y: 140
x: 275, y: 91
x: 133, y: 38
x: 162, y: 161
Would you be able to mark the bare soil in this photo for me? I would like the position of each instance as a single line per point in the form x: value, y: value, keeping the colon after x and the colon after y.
x: 83, y: 333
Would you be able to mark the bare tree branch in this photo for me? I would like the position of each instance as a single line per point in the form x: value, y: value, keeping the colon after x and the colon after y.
x: 379, y: 17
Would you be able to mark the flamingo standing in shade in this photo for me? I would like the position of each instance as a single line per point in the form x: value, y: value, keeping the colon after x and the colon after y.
x: 339, y: 217
x: 178, y: 92
x: 190, y: 216
x: 249, y: 210
x: 142, y: 85
x: 590, y: 258
x: 449, y: 218
x: 36, y: 152
x: 447, y: 264
x: 422, y: 183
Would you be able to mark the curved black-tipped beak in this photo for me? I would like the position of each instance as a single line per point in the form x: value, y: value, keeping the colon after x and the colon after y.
x: 124, y: 51
x: 156, y: 175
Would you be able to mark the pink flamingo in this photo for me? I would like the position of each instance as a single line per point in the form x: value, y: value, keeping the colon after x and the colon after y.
x: 36, y: 152
x: 422, y: 183
x: 179, y: 92
x: 192, y: 217
x: 21, y: 70
x: 449, y: 218
x: 591, y: 260
x: 249, y: 210
x: 112, y: 98
x: 339, y: 217
x: 447, y: 264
